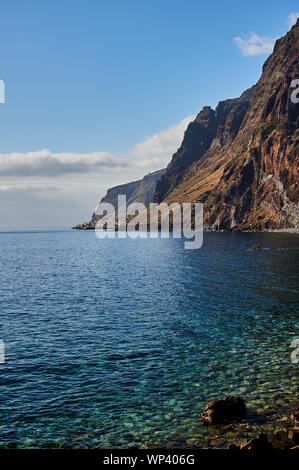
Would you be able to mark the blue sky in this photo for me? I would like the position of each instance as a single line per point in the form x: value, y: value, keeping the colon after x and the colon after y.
x: 97, y: 76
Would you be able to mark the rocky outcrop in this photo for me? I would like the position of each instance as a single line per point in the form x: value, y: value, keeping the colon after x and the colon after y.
x: 257, y: 444
x: 255, y: 248
x: 210, y: 130
x: 225, y: 410
x: 136, y: 191
x: 231, y: 421
x: 259, y: 186
x: 241, y: 160
x: 282, y: 439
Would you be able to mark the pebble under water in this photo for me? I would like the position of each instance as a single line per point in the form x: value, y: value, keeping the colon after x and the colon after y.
x: 121, y: 343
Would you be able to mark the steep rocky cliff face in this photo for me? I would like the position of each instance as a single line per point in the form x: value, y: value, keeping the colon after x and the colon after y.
x: 241, y: 160
x: 136, y: 191
x: 210, y: 130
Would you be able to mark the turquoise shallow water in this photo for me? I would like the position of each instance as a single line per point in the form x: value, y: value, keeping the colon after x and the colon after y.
x: 119, y: 343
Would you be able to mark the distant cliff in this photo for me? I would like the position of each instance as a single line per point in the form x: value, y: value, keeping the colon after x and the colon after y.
x: 241, y: 160
x: 136, y: 191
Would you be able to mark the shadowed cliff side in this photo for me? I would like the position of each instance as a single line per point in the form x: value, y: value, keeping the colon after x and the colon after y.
x: 241, y: 160
x: 136, y: 191
x: 210, y: 130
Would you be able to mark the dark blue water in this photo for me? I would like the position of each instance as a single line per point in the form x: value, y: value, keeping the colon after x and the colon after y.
x: 118, y: 343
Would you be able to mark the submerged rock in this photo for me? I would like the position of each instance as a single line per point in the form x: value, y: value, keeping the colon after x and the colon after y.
x: 216, y: 366
x: 225, y: 410
x: 255, y: 248
x: 293, y: 434
x: 281, y: 440
x: 259, y: 443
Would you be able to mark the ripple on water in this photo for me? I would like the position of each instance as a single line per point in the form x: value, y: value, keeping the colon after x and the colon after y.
x: 119, y: 343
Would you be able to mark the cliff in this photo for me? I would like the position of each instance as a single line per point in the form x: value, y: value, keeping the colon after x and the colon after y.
x: 210, y: 130
x: 136, y: 191
x: 241, y: 159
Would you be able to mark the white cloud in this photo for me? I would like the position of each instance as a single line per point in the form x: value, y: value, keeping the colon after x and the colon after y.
x: 255, y: 45
x: 45, y: 189
x: 43, y: 163
x: 259, y: 45
x: 292, y: 18
x: 154, y: 151
x: 162, y: 144
x: 19, y: 187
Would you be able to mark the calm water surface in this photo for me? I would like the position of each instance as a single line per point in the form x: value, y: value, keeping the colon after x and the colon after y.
x: 118, y: 343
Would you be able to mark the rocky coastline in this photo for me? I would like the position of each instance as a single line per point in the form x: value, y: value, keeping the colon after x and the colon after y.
x: 229, y: 424
x: 91, y: 225
x: 241, y: 159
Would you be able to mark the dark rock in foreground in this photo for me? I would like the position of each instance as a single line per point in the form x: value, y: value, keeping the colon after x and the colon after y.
x: 225, y: 410
x: 283, y: 439
x: 259, y: 443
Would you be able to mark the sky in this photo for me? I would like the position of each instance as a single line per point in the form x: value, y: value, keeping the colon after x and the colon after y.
x: 100, y: 93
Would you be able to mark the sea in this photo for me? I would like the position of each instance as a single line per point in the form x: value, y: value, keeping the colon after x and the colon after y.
x: 119, y: 343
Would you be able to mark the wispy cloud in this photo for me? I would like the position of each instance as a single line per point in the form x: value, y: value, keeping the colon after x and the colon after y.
x: 292, y: 18
x: 255, y: 45
x: 152, y: 153
x: 259, y: 45
x: 43, y: 188
x: 44, y: 163
x: 20, y: 187
x: 163, y: 143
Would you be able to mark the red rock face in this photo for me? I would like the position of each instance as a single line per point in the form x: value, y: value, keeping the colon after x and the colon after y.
x: 248, y: 175
x: 209, y: 131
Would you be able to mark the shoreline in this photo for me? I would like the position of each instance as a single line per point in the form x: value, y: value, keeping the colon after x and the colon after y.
x: 275, y: 422
x: 274, y: 426
x: 285, y: 230
x: 87, y: 227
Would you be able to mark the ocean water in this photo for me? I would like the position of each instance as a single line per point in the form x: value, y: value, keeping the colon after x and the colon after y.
x: 121, y: 343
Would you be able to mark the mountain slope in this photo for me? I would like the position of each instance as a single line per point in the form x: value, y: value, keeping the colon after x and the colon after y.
x: 244, y: 165
x: 210, y: 130
x: 136, y: 191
